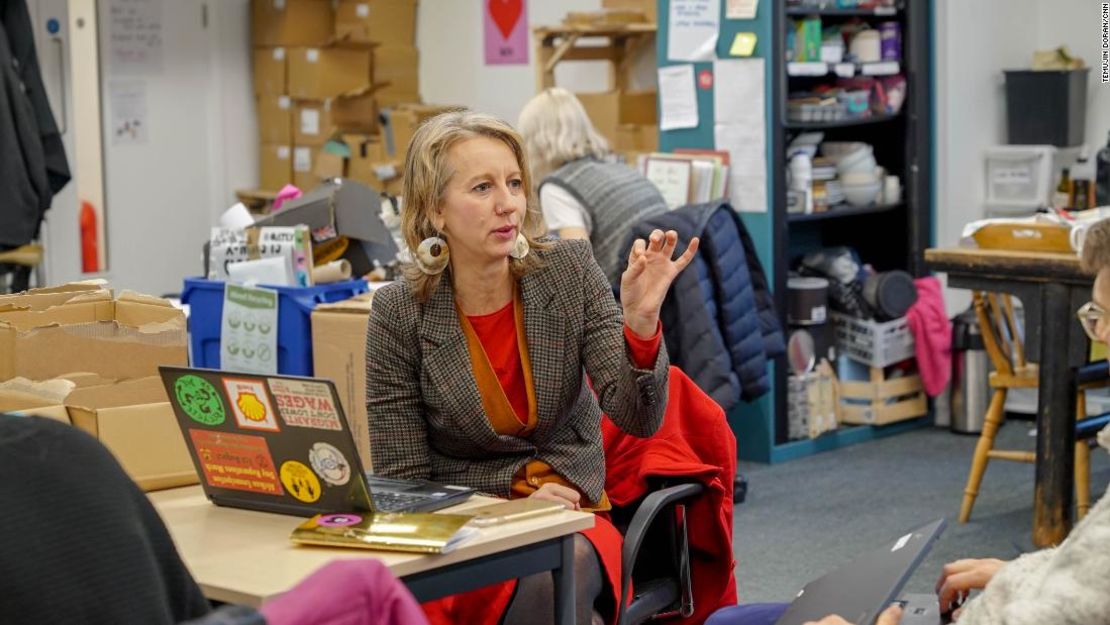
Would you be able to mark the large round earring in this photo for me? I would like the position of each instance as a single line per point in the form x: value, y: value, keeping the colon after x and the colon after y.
x: 432, y: 255
x: 520, y: 247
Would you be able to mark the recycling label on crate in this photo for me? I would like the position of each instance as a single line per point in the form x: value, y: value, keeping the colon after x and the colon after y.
x: 248, y: 332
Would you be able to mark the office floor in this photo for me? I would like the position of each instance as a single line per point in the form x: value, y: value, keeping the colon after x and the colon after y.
x: 804, y: 518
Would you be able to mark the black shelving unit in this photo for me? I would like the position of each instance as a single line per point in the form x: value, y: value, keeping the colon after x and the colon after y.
x: 887, y: 236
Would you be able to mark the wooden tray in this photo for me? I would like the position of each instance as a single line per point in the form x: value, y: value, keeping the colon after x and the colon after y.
x: 1026, y: 237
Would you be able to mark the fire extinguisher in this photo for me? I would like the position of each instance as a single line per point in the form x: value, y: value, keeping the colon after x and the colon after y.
x: 90, y: 256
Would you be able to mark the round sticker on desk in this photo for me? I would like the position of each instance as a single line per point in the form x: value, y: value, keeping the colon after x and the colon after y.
x: 329, y: 463
x: 300, y: 481
x: 338, y: 520
x: 199, y: 399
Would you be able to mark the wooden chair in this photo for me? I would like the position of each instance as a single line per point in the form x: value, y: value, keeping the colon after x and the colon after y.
x: 1003, y: 340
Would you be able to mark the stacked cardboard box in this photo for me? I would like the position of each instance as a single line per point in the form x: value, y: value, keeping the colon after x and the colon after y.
x: 322, y: 71
x: 627, y: 119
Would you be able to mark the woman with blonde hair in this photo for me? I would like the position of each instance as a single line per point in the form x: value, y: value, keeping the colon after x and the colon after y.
x: 582, y: 193
x: 477, y: 360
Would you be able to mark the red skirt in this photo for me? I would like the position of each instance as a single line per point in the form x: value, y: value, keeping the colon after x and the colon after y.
x: 486, y: 606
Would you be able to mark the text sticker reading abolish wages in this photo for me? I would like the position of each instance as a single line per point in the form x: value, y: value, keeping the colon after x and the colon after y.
x: 305, y: 404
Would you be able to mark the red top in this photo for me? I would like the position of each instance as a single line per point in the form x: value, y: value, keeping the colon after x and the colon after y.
x: 497, y: 333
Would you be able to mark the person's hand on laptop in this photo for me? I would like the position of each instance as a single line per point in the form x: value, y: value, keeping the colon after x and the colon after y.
x: 890, y: 616
x: 959, y: 578
x: 559, y: 493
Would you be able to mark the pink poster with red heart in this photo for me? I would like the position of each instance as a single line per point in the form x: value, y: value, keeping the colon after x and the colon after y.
x: 506, y: 31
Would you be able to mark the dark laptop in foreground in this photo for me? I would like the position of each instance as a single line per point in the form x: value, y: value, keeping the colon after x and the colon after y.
x: 860, y: 590
x: 282, y: 444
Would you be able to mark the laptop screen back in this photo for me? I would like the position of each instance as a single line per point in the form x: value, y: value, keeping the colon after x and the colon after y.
x: 268, y: 442
x: 861, y: 589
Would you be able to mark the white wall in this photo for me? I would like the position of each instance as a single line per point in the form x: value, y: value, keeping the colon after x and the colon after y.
x: 453, y: 70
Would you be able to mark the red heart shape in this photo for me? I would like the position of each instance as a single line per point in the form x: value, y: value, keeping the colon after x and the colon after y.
x: 505, y: 14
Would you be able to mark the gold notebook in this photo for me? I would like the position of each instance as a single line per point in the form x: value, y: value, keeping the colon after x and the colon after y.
x: 387, y: 531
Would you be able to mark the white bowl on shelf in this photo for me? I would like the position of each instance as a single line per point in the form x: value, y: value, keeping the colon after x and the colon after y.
x: 859, y: 177
x: 858, y: 161
x: 861, y: 195
x: 835, y: 150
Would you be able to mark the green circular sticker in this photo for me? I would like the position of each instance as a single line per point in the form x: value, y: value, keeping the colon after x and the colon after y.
x: 199, y: 399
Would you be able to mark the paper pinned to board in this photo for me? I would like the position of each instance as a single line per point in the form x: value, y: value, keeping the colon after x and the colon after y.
x: 694, y: 25
x: 741, y: 9
x: 678, y: 100
x: 739, y: 108
x: 739, y: 92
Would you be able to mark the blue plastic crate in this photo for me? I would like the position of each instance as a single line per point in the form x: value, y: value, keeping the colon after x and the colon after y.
x: 295, y: 304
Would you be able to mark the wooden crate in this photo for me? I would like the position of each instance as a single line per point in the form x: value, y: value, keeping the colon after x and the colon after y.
x: 880, y: 401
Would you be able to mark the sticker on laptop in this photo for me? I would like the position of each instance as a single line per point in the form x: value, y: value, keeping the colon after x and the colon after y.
x: 338, y: 520
x: 330, y: 464
x: 236, y: 461
x: 251, y: 405
x: 305, y: 404
x: 199, y: 399
x: 300, y: 481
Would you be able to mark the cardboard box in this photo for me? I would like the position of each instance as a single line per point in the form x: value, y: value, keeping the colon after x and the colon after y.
x: 322, y: 73
x: 330, y: 165
x: 397, y: 70
x: 125, y: 337
x: 356, y: 113
x: 292, y: 22
x: 275, y: 119
x: 39, y: 399
x: 134, y: 420
x: 270, y: 69
x: 313, y: 123
x: 636, y: 138
x: 365, y: 151
x: 304, y: 168
x: 275, y: 164
x: 402, y: 122
x: 647, y: 7
x: 339, y: 354
x: 387, y: 22
x: 610, y: 109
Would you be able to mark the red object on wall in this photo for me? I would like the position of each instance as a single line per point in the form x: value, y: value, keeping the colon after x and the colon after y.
x: 90, y: 257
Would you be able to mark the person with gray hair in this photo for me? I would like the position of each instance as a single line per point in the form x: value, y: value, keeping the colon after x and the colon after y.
x: 583, y: 194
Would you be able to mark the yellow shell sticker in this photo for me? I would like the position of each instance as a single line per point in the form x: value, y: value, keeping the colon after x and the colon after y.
x: 300, y: 481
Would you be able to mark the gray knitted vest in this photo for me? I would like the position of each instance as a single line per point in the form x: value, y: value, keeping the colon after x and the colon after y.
x: 616, y: 197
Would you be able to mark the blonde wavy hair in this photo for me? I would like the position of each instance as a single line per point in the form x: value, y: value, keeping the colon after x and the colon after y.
x: 557, y: 131
x: 427, y: 173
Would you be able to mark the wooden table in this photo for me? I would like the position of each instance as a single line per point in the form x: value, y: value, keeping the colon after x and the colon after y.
x: 1051, y: 288
x: 245, y: 557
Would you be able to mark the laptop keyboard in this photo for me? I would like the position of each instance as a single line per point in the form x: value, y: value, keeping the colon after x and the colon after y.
x: 389, y: 501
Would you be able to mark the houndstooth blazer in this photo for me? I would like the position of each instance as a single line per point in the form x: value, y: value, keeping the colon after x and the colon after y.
x: 425, y: 412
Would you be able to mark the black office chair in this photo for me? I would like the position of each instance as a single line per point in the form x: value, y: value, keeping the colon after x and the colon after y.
x: 660, y: 577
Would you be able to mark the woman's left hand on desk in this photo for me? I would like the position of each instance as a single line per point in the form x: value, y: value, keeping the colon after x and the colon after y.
x: 569, y: 497
x: 650, y: 272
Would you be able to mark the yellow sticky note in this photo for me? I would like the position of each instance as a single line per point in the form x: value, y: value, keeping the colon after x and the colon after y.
x: 743, y: 44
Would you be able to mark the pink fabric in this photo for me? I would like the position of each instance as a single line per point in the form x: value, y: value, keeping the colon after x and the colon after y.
x: 346, y: 592
x: 288, y: 192
x: 932, y: 335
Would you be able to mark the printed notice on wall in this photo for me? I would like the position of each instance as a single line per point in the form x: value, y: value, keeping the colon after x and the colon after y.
x: 129, y: 120
x: 739, y: 112
x: 135, y: 36
x: 248, y: 334
x: 693, y: 30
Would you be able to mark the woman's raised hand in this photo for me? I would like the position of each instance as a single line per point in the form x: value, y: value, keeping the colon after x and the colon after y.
x: 649, y: 275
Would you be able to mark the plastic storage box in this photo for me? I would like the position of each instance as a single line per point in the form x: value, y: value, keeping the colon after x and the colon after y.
x: 295, y: 304
x: 1019, y: 178
x: 1046, y: 107
x: 873, y: 343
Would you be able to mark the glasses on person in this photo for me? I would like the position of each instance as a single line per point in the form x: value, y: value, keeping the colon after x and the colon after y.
x: 1090, y: 316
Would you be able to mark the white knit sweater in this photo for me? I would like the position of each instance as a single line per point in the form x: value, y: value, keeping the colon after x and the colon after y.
x: 1065, y: 585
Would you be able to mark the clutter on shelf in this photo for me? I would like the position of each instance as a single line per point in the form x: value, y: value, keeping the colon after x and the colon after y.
x: 845, y: 173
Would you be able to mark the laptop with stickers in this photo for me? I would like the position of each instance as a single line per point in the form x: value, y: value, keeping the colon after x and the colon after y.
x: 282, y: 444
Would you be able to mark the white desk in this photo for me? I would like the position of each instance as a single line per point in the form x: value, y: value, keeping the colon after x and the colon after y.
x: 245, y: 557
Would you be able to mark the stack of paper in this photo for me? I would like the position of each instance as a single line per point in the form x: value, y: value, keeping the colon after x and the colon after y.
x: 688, y: 176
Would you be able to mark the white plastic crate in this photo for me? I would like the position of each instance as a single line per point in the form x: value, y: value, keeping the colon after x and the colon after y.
x: 1019, y: 177
x: 874, y: 343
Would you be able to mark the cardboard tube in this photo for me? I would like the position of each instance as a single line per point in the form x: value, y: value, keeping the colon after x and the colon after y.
x: 335, y: 271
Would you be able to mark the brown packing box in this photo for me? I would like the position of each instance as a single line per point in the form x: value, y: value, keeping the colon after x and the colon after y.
x: 339, y: 354
x: 39, y: 399
x: 637, y: 138
x: 312, y: 122
x: 134, y: 420
x: 397, y: 69
x: 647, y: 7
x: 609, y: 109
x: 292, y: 22
x: 329, y: 165
x: 304, y: 167
x: 356, y: 113
x: 275, y: 164
x: 126, y: 337
x: 321, y: 73
x: 405, y: 119
x: 365, y: 151
x: 387, y: 22
x: 270, y: 71
x: 275, y: 119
